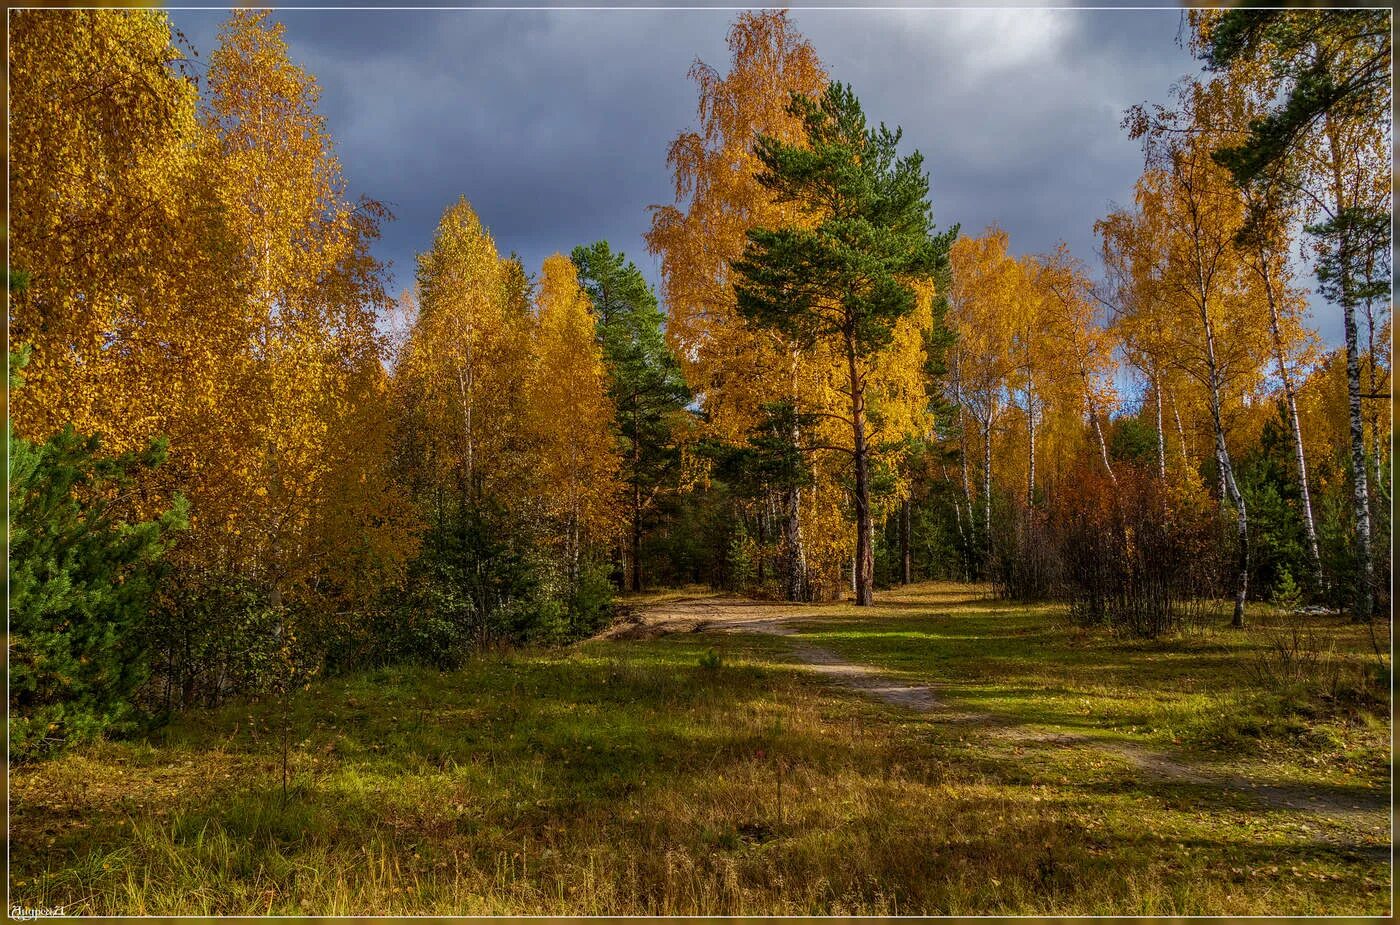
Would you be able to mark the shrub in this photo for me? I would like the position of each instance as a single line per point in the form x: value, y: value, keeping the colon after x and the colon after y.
x: 1294, y: 656
x: 1138, y: 554
x: 1287, y: 596
x: 1301, y: 672
x: 1023, y: 564
x: 212, y: 634
x: 479, y: 582
x: 591, y: 606
x: 739, y: 560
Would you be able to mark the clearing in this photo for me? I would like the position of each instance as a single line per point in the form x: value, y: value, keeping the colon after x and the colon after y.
x: 939, y: 753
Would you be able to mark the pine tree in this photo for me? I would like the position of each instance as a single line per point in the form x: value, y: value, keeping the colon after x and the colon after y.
x: 644, y: 383
x: 843, y: 281
x: 81, y: 574
x: 733, y: 369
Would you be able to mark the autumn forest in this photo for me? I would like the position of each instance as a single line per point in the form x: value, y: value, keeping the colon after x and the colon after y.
x: 866, y: 564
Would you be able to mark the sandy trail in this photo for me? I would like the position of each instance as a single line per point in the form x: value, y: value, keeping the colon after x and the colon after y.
x: 1350, y: 819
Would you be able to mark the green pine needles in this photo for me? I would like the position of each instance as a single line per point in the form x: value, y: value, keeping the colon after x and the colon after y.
x: 845, y: 276
x: 81, y: 578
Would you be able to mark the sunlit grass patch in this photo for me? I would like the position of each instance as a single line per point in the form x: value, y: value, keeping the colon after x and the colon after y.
x: 624, y: 777
x: 1200, y: 691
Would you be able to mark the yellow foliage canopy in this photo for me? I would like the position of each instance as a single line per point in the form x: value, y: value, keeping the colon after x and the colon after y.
x: 202, y: 279
x: 571, y: 414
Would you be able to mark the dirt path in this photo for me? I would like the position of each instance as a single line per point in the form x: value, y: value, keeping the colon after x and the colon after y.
x: 1349, y: 816
x: 712, y: 614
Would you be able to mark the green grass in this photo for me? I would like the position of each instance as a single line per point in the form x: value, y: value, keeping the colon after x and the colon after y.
x: 1203, y: 692
x: 624, y: 777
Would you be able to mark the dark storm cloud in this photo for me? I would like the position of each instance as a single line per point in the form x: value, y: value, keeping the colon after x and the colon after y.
x: 555, y: 124
x: 1017, y: 111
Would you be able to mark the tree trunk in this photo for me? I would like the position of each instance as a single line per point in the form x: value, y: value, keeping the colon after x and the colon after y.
x: 1227, y: 475
x: 464, y: 388
x: 575, y: 549
x: 1374, y: 391
x: 795, y: 557
x: 1030, y: 461
x: 865, y: 559
x: 987, y: 483
x: 1161, y: 436
x: 1241, y: 520
x: 1103, y: 444
x: 636, y: 550
x: 1291, y: 403
x: 1361, y: 500
x: 970, y: 539
x: 906, y: 556
x: 761, y: 527
x: 798, y: 587
x: 958, y: 513
x: 1180, y: 434
x: 865, y: 556
x: 1361, y: 494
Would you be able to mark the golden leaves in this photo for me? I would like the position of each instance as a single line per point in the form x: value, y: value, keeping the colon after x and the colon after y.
x: 503, y: 402
x: 460, y: 378
x: 202, y: 279
x: 733, y: 368
x: 1032, y: 364
x: 101, y: 130
x: 570, y: 413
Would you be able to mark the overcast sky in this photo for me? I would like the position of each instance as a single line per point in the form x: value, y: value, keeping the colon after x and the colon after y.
x: 555, y: 124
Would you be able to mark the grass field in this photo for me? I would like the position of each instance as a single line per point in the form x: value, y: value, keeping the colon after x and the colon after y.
x: 626, y: 777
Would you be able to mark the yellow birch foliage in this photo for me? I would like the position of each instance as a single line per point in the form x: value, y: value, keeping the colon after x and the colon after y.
x: 1029, y: 353
x: 1198, y: 297
x: 132, y: 308
x: 1077, y: 355
x: 203, y: 279
x: 459, y: 380
x: 309, y: 375
x: 571, y: 415
x: 1322, y: 411
x: 1143, y: 325
x: 985, y: 282
x: 731, y: 368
